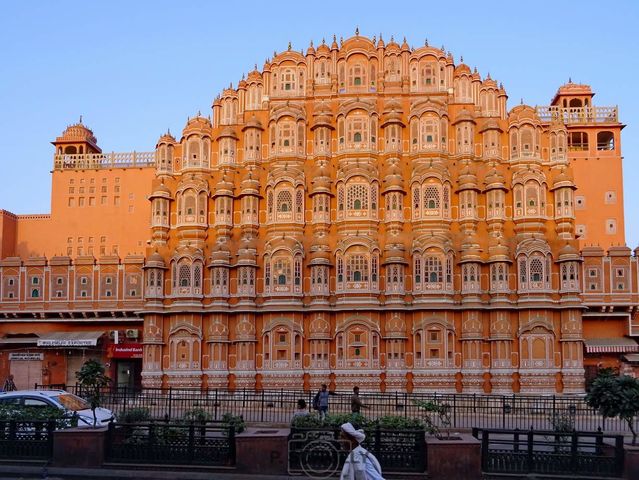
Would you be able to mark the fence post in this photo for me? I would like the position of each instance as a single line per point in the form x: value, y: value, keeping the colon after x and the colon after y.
x: 599, y: 442
x: 378, y: 439
x: 261, y: 407
x: 405, y: 404
x: 215, y: 405
x: 529, y: 458
x: 573, y: 451
x: 454, y: 410
x: 50, y: 429
x: 503, y: 411
x: 191, y: 440
x: 12, y: 429
x: 516, y: 438
x: 170, y: 402
x: 484, y: 450
x: 554, y: 408
x: 232, y: 443
x: 126, y: 400
x: 619, y: 453
x: 474, y: 403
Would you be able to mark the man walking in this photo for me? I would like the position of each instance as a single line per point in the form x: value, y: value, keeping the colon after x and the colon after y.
x: 9, y: 384
x: 320, y: 402
x: 356, y: 402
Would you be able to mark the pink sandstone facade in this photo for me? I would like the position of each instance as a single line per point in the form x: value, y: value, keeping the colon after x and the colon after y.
x: 364, y: 213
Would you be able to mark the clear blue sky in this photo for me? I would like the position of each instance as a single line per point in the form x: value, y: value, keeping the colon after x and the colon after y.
x: 134, y: 68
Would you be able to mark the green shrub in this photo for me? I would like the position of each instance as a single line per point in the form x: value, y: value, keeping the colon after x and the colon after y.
x: 197, y: 415
x: 307, y: 421
x: 337, y: 419
x: 136, y: 415
x: 228, y: 420
x: 396, y: 422
x: 38, y: 414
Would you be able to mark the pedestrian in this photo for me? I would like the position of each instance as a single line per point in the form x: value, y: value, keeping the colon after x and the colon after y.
x: 9, y: 384
x: 320, y: 401
x: 360, y: 464
x: 301, y: 410
x: 356, y: 402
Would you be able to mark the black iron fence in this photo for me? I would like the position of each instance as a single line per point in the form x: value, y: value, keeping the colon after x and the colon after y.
x: 592, y: 454
x: 22, y: 440
x: 319, y: 452
x: 208, y: 444
x: 277, y: 406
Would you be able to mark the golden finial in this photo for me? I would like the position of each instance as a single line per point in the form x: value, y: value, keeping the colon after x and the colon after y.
x: 80, y: 119
x: 569, y: 81
x: 357, y: 31
x: 392, y: 38
x: 323, y: 41
x: 426, y: 42
x: 461, y: 59
x: 311, y: 43
x: 521, y: 102
x: 255, y: 67
x: 374, y: 38
x: 289, y: 46
x: 341, y: 41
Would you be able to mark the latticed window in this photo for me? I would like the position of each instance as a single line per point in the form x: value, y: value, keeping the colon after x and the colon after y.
x: 431, y: 199
x: 523, y: 277
x: 357, y: 198
x: 416, y: 202
x: 299, y: 201
x: 184, y: 275
x: 284, y: 201
x: 432, y: 270
x: 281, y: 271
x: 536, y: 270
x: 417, y: 270
x: 357, y: 268
x: 340, y: 269
x: 197, y: 276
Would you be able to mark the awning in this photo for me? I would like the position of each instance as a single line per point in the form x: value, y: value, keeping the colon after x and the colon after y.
x: 19, y: 340
x: 631, y: 358
x: 69, y: 339
x: 611, y: 345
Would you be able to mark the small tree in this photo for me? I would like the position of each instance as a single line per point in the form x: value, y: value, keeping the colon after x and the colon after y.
x: 92, y: 380
x: 616, y: 397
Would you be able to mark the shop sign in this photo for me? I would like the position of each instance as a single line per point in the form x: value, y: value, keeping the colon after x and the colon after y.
x: 26, y: 356
x: 66, y: 342
x: 125, y: 350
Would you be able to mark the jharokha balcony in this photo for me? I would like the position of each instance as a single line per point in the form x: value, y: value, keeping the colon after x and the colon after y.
x: 84, y: 161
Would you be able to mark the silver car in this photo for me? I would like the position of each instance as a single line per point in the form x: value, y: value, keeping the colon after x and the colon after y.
x: 71, y: 404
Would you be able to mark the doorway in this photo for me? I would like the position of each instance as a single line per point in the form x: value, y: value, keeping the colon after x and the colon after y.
x: 127, y: 373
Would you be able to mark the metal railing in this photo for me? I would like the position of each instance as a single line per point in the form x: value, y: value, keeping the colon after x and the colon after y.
x: 321, y: 449
x: 277, y: 406
x: 550, y: 452
x: 26, y: 440
x: 171, y: 443
x: 103, y: 160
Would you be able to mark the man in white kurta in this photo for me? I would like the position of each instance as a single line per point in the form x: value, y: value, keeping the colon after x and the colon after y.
x: 360, y: 463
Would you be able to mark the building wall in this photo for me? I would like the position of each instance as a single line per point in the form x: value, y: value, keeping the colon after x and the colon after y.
x: 363, y: 214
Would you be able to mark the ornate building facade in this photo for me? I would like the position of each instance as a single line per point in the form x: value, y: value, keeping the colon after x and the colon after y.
x: 362, y: 214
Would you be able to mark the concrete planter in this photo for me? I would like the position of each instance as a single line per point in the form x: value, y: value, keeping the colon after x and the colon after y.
x: 458, y: 457
x: 79, y: 447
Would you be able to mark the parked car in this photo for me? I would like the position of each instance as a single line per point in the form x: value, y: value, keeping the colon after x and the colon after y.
x: 72, y: 405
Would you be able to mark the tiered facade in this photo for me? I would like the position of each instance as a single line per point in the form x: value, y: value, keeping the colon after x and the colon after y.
x: 370, y: 214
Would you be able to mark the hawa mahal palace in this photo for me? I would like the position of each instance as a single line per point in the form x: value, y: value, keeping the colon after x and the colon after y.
x: 362, y: 213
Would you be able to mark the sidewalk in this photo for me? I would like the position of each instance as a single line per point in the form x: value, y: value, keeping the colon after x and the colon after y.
x: 35, y: 472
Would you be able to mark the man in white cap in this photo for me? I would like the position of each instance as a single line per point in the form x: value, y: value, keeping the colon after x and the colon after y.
x: 360, y: 463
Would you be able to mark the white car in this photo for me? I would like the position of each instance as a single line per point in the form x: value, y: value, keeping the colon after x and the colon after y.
x: 73, y: 405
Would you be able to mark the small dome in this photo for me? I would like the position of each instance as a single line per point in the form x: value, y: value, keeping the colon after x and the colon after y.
x: 498, y: 252
x: 250, y: 185
x: 166, y: 138
x: 253, y: 123
x: 467, y: 179
x: 495, y: 180
x: 462, y: 68
x: 155, y: 260
x: 197, y: 124
x: 77, y: 132
x: 224, y: 187
x: 464, y: 116
x: 161, y: 190
x: 228, y: 132
x: 490, y: 124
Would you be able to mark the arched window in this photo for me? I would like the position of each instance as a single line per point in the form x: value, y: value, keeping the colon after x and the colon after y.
x: 185, y: 275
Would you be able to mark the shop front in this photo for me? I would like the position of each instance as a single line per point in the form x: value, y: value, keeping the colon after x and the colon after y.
x: 126, y: 364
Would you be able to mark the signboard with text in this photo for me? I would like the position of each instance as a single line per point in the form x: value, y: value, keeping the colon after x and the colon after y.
x: 26, y: 356
x: 125, y: 350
